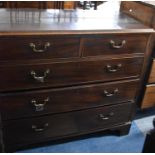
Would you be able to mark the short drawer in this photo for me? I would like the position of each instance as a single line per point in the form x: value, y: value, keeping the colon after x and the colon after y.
x: 28, y: 131
x: 149, y: 97
x: 36, y: 103
x: 41, y: 47
x: 21, y: 77
x: 114, y: 44
x: 152, y: 73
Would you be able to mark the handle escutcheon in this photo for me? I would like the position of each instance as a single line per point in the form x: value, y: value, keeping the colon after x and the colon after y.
x: 116, y: 45
x: 39, y: 129
x: 108, y: 94
x: 40, y: 106
x: 33, y: 46
x: 106, y: 117
x: 40, y: 78
x: 114, y: 68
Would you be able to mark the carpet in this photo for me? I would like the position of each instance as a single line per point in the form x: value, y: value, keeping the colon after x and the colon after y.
x: 144, y: 119
x: 131, y: 143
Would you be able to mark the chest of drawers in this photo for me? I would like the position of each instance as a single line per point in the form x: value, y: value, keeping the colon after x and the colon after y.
x: 56, y: 84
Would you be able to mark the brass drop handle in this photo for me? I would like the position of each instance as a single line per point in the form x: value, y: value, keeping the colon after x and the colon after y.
x: 33, y: 46
x: 117, y: 46
x: 108, y: 94
x: 106, y: 117
x: 114, y: 68
x: 40, y: 78
x: 40, y: 106
x: 40, y: 129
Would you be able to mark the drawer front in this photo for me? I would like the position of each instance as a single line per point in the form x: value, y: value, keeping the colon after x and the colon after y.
x: 149, y: 97
x: 28, y: 48
x: 64, y: 74
x: 152, y: 73
x: 37, y: 103
x: 52, y: 127
x: 114, y: 44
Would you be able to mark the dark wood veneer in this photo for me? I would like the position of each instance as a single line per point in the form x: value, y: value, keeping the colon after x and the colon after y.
x: 88, y: 86
x: 145, y: 12
x: 19, y: 48
x: 62, y: 74
x: 101, y: 45
x: 140, y: 11
x: 19, y: 105
x: 21, y: 132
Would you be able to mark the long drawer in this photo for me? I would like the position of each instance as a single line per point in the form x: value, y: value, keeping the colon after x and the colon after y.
x: 42, y: 47
x: 35, y: 103
x: 114, y: 44
x: 21, y: 77
x: 34, y: 130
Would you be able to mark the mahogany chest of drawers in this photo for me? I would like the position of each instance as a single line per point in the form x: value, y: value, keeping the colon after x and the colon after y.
x: 58, y: 84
